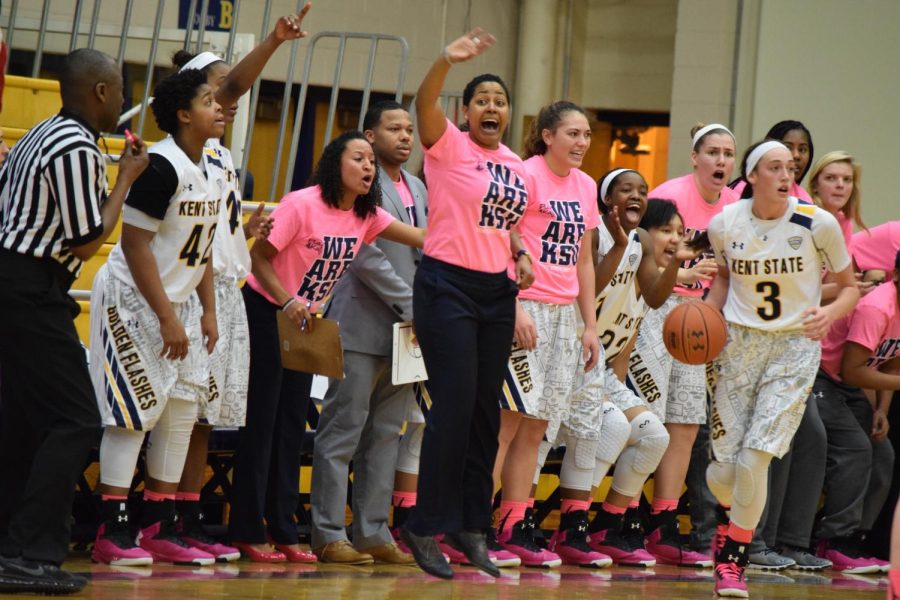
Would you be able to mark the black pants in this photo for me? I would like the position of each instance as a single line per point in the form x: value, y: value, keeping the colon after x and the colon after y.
x: 464, y: 322
x: 267, y: 461
x: 50, y: 417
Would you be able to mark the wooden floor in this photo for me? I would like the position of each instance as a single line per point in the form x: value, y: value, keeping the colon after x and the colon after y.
x: 255, y: 581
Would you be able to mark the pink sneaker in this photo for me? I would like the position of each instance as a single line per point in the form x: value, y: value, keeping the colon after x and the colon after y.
x: 190, y: 528
x: 570, y: 542
x: 884, y: 564
x: 164, y: 545
x: 499, y: 555
x: 845, y: 557
x: 731, y: 560
x: 622, y: 550
x: 520, y: 541
x: 666, y: 548
x: 730, y: 580
x: 116, y: 547
x: 220, y: 552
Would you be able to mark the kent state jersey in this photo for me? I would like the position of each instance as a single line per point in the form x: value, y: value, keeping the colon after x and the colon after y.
x: 619, y: 310
x: 183, y: 238
x: 775, y: 267
x: 231, y: 257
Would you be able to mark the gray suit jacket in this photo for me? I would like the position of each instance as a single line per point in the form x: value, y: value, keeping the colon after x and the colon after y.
x: 376, y: 291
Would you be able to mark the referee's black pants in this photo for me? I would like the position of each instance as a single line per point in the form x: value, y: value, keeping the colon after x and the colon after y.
x: 265, y: 489
x: 49, y: 418
x: 464, y: 322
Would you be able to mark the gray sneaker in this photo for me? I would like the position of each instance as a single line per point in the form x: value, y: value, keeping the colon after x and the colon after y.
x: 804, y: 560
x: 768, y: 559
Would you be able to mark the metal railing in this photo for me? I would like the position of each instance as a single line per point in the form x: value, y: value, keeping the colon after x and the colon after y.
x: 194, y: 40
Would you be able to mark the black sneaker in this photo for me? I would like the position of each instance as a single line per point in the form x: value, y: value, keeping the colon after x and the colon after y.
x: 520, y: 541
x: 570, y: 542
x: 18, y: 575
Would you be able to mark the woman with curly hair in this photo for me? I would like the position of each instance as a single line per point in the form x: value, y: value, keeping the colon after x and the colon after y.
x: 464, y: 304
x: 154, y: 325
x: 316, y: 234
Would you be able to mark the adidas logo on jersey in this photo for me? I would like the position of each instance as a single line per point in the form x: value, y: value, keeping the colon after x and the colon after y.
x: 795, y: 241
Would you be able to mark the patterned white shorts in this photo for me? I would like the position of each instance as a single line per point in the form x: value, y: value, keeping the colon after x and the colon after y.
x: 131, y: 380
x: 650, y: 364
x: 549, y: 382
x: 764, y: 379
x: 229, y: 363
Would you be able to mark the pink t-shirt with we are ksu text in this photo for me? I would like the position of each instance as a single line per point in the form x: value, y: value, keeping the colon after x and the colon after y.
x: 696, y: 213
x: 475, y: 196
x: 560, y: 210
x: 316, y: 243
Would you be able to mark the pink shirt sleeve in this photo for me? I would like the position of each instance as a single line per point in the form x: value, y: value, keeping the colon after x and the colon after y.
x: 287, y: 222
x: 867, y: 327
x: 378, y: 223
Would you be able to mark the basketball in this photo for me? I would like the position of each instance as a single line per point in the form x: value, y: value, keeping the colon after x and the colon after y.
x: 694, y: 333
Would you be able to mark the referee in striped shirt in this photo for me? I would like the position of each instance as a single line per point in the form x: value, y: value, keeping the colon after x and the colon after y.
x: 54, y: 215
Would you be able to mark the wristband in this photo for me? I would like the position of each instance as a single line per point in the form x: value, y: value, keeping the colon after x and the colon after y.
x: 522, y: 252
x: 446, y: 54
x: 285, y: 306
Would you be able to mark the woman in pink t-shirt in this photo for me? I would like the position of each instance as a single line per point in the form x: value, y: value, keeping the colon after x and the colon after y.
x: 797, y: 138
x: 315, y: 236
x: 834, y: 184
x: 464, y: 306
x: 699, y: 196
x: 545, y: 375
x: 859, y: 353
x: 874, y: 249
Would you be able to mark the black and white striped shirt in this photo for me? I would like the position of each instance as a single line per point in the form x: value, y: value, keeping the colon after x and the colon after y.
x: 51, y: 188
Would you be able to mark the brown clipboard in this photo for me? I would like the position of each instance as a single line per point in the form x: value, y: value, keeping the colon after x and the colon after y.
x: 316, y: 351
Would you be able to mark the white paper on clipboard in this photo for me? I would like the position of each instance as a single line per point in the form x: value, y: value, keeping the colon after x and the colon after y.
x: 408, y: 366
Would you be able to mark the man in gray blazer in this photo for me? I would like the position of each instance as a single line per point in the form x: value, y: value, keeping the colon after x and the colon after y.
x: 363, y: 413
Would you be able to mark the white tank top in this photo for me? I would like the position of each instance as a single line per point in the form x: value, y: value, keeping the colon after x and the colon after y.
x: 183, y: 240
x: 231, y: 257
x: 619, y: 310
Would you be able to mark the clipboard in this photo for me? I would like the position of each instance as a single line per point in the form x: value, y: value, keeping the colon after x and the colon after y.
x: 407, y: 364
x: 316, y: 351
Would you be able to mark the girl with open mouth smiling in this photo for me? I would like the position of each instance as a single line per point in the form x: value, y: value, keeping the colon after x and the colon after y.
x: 464, y: 306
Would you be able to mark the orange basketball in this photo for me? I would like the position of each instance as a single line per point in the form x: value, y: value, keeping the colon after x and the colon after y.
x: 694, y: 333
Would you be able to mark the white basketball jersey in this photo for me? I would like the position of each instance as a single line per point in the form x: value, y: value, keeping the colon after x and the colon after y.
x: 619, y: 310
x: 183, y: 242
x: 775, y: 267
x: 231, y: 257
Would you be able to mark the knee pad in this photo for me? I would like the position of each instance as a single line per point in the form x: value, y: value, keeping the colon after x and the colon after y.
x: 410, y: 448
x: 650, y: 438
x: 577, y: 472
x: 720, y: 479
x: 646, y: 446
x: 614, y: 433
x: 169, y: 440
x: 751, y: 478
x: 119, y: 451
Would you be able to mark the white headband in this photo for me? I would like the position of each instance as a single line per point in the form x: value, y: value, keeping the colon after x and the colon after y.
x: 200, y: 62
x: 610, y: 177
x: 704, y: 130
x: 759, y: 151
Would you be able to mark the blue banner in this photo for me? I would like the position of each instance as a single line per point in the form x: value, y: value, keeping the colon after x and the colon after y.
x: 219, y: 16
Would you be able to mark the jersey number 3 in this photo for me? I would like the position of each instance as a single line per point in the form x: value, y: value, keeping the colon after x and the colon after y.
x: 772, y: 309
x: 190, y: 252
